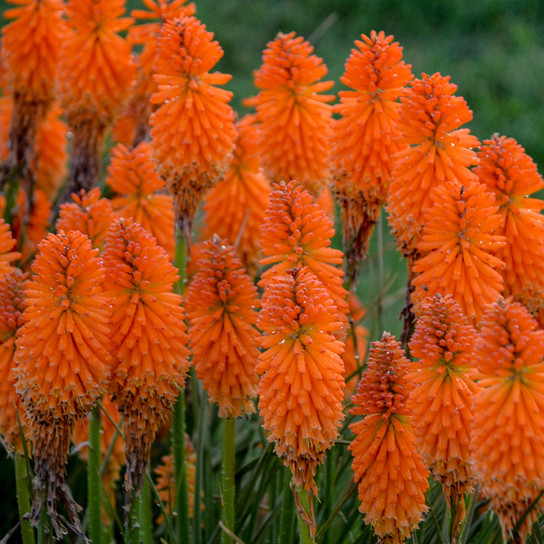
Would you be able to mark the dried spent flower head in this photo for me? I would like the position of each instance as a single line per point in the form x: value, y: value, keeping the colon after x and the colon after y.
x: 302, y: 385
x: 138, y: 193
x: 222, y: 304
x: 293, y: 115
x: 389, y: 471
x: 441, y: 402
x: 438, y: 150
x: 507, y: 440
x: 458, y: 249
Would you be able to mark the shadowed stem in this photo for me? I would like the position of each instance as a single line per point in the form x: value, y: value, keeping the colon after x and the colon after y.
x: 23, y: 498
x: 178, y: 418
x: 93, y: 477
x: 227, y: 476
x: 304, y: 514
x: 287, y: 519
x: 145, y: 513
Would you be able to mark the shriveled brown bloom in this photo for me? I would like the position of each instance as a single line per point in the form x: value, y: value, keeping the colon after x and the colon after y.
x: 149, y: 339
x: 388, y: 469
x: 222, y: 304
x: 302, y: 384
x: 62, y: 360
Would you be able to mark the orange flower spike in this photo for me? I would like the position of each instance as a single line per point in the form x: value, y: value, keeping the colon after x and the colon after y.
x: 192, y: 132
x: 7, y: 243
x: 133, y: 178
x: 507, y: 440
x: 235, y: 207
x: 458, y: 249
x: 95, y: 76
x: 297, y: 232
x: 166, y: 481
x: 149, y: 336
x: 294, y: 117
x: 302, y: 386
x: 367, y: 136
x: 221, y: 308
x: 50, y: 166
x: 11, y: 311
x: 6, y: 107
x: 511, y: 175
x: 88, y: 213
x: 62, y: 359
x: 389, y: 471
x: 441, y: 403
x: 439, y: 150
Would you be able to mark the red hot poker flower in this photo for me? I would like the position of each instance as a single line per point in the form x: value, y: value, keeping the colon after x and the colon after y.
x: 512, y: 176
x: 62, y: 358
x: 149, y: 336
x: 294, y: 117
x: 192, y: 131
x: 235, y: 207
x: 441, y: 402
x: 221, y: 309
x: 438, y: 151
x: 137, y: 185
x: 458, y: 247
x: 507, y: 441
x: 367, y: 137
x: 297, y: 232
x: 302, y: 385
x: 388, y: 469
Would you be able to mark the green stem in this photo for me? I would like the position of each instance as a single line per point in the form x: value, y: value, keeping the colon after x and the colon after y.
x: 132, y: 533
x: 180, y: 261
x: 93, y: 478
x: 145, y: 514
x: 286, y: 518
x: 23, y: 498
x: 180, y: 467
x: 303, y: 525
x: 227, y: 476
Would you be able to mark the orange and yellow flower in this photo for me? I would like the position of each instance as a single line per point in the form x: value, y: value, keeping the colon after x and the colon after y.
x: 389, y: 471
x: 302, y: 385
x: 222, y: 304
x: 511, y: 175
x: 438, y: 151
x: 294, y: 116
x: 138, y: 193
x: 367, y: 137
x: 11, y: 311
x: 148, y: 336
x: 192, y: 131
x: 62, y: 358
x: 297, y: 232
x: 7, y: 243
x: 507, y: 440
x: 441, y: 402
x: 458, y: 249
x: 95, y: 76
x: 235, y: 207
